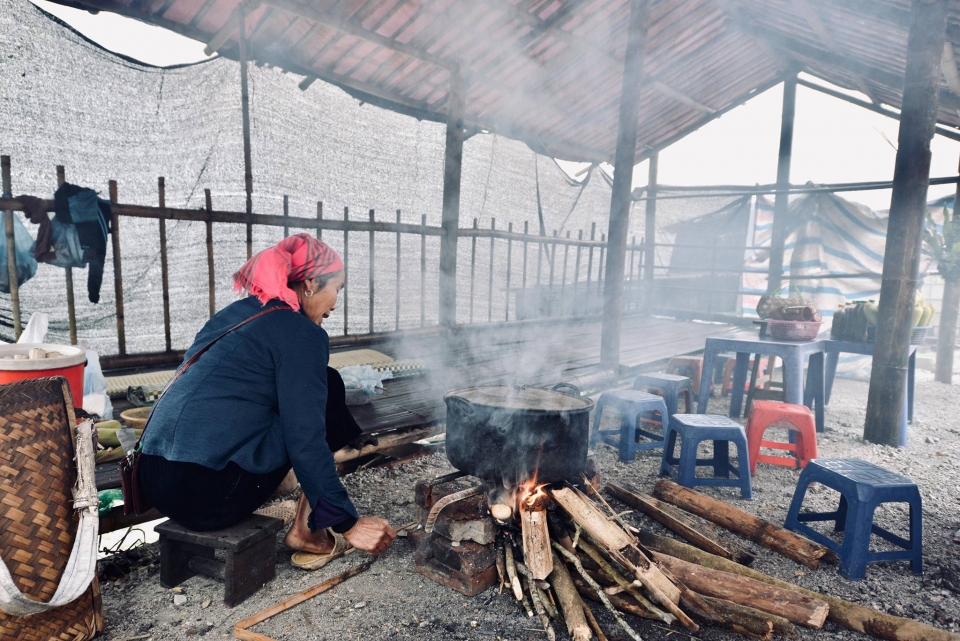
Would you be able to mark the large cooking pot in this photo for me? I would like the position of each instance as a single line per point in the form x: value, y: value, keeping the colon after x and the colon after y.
x: 510, y: 434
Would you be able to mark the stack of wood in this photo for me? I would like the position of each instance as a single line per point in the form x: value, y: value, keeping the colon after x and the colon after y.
x: 573, y: 548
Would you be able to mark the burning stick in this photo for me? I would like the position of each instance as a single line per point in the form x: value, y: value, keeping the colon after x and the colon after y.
x: 512, y: 572
x: 572, y: 558
x: 536, y: 538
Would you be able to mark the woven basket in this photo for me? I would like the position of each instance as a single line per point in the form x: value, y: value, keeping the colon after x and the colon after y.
x: 793, y: 330
x: 37, y: 521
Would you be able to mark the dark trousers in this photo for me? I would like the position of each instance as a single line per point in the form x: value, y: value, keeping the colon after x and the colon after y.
x: 203, y: 499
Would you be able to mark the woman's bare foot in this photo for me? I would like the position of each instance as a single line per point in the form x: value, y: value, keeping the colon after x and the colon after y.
x: 300, y: 538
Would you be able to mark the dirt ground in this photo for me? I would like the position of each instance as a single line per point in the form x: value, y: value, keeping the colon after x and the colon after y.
x: 392, y: 601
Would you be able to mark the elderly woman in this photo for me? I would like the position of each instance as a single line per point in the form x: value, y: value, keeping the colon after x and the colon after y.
x: 255, y: 397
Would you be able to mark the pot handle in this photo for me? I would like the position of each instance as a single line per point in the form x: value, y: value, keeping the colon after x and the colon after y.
x: 571, y: 389
x: 461, y: 408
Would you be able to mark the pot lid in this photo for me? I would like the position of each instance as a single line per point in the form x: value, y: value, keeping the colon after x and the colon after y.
x: 522, y: 398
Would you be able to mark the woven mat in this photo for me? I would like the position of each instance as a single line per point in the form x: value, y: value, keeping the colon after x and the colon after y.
x: 286, y: 511
x: 117, y: 385
x: 339, y: 360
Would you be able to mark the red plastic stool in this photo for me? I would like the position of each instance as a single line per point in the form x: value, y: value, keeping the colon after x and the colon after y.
x: 689, y: 366
x: 727, y: 384
x: 796, y: 418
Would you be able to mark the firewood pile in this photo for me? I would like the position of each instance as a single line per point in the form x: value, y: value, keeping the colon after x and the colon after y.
x: 564, y: 554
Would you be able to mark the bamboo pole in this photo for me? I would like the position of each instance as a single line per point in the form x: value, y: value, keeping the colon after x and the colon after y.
x: 620, y: 198
x: 781, y: 203
x: 245, y: 111
x: 493, y: 227
x: 286, y: 214
x: 117, y: 270
x: 71, y: 301
x: 11, y: 249
x: 506, y: 314
x: 346, y: 254
x: 851, y: 616
x: 423, y: 270
x: 901, y: 259
x: 211, y: 272
x: 164, y: 267
x: 452, y: 163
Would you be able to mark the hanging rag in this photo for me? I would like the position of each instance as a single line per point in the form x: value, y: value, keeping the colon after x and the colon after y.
x: 36, y: 213
x: 23, y: 250
x: 80, y: 206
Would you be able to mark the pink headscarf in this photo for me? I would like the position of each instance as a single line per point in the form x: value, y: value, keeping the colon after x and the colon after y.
x: 297, y: 258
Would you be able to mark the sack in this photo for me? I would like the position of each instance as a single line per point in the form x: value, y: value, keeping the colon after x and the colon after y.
x: 23, y: 247
x: 134, y: 501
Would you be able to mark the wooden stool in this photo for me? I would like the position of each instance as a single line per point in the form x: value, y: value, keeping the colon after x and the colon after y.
x: 250, y: 551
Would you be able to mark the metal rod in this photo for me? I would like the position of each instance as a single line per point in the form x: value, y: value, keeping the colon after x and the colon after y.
x: 117, y: 271
x: 164, y: 266
x: 11, y: 250
x: 211, y: 271
x: 493, y: 226
x: 371, y: 261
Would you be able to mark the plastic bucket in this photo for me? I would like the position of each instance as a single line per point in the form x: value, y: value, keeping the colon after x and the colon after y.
x: 69, y: 364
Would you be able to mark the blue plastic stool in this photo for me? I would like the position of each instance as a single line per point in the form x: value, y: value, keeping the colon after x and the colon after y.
x: 862, y: 486
x: 670, y: 384
x: 694, y: 428
x: 631, y: 405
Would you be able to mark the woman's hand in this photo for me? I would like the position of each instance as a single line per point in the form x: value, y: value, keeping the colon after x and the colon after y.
x: 371, y: 534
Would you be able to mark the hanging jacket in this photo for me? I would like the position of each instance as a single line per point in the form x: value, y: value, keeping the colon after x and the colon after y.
x: 81, y: 207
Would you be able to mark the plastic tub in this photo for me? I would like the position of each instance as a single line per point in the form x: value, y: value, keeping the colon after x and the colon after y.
x: 793, y: 330
x: 69, y: 364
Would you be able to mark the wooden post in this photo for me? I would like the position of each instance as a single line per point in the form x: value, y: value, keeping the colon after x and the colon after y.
x: 211, y: 272
x: 319, y: 220
x: 650, y: 225
x: 901, y: 260
x: 11, y: 250
x: 506, y: 315
x: 947, y: 334
x: 396, y: 319
x: 71, y: 302
x: 781, y: 205
x: 452, y: 161
x: 593, y: 236
x: 117, y: 270
x: 245, y: 109
x: 563, y: 277
x: 576, y: 276
x: 473, y: 265
x: 551, y: 255
x: 371, y: 261
x: 164, y: 267
x: 620, y: 199
x: 286, y: 214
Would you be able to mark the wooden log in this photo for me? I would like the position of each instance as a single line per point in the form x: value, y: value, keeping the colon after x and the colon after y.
x: 908, y: 208
x: 628, y: 587
x: 534, y: 594
x: 11, y: 249
x: 536, y: 538
x: 758, y: 530
x: 618, y: 601
x: 591, y: 519
x: 211, y: 270
x: 570, y: 602
x: 781, y: 626
x: 793, y: 606
x: 386, y: 441
x: 738, y: 618
x: 679, y: 522
x: 851, y: 616
x: 68, y: 272
x: 512, y: 572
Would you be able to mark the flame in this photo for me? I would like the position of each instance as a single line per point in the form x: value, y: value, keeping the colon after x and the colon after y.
x: 532, y: 492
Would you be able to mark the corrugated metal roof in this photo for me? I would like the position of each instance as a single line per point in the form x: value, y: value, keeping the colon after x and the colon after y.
x: 549, y: 72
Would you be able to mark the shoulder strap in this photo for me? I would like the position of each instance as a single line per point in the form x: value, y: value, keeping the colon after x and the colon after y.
x: 193, y: 359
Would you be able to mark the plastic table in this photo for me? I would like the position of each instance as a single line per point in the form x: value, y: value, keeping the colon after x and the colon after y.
x: 793, y: 353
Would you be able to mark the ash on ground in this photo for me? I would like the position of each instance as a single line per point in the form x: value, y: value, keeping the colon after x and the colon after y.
x: 392, y: 601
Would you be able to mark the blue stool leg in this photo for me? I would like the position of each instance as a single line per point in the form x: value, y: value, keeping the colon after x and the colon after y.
x: 721, y: 458
x: 911, y: 382
x: 743, y: 462
x: 628, y: 436
x: 703, y: 394
x: 903, y: 417
x: 792, y: 520
x: 916, y: 534
x: 830, y: 372
x: 668, y: 460
x: 856, y: 542
x: 740, y: 370
x: 688, y: 461
x: 841, y: 521
x: 670, y: 400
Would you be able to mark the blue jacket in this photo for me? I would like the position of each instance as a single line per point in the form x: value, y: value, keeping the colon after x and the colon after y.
x: 257, y: 398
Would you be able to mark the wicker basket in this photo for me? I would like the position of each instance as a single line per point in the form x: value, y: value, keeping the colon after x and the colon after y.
x: 37, y: 522
x: 793, y: 330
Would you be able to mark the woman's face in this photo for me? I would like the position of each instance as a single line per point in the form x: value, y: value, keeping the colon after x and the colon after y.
x: 323, y: 301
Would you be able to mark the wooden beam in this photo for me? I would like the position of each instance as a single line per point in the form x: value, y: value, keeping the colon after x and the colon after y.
x: 11, y: 249
x: 620, y: 200
x: 681, y: 97
x: 782, y: 200
x: 901, y: 258
x: 813, y: 19
x: 946, y: 132
x: 452, y: 162
x: 229, y: 27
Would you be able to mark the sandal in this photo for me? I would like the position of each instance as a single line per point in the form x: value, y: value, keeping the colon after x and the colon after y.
x: 314, y: 561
